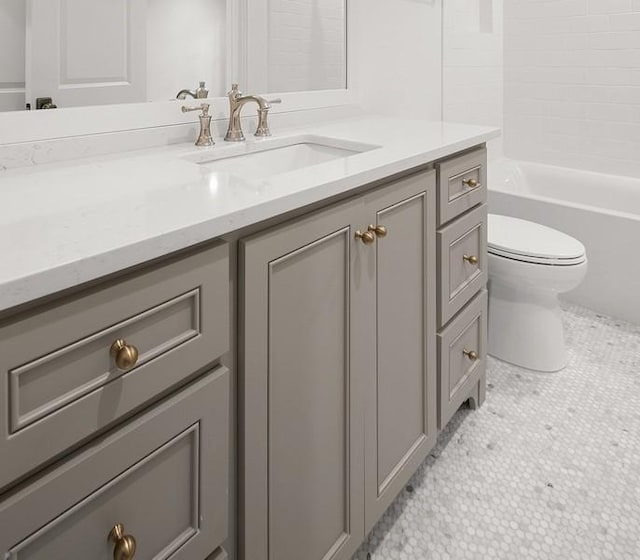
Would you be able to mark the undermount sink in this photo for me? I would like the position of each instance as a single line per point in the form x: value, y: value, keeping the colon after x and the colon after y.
x: 257, y: 160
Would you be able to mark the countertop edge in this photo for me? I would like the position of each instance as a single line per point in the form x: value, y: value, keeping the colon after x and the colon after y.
x: 47, y: 282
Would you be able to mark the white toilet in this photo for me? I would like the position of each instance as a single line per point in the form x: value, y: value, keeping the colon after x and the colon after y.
x: 529, y: 265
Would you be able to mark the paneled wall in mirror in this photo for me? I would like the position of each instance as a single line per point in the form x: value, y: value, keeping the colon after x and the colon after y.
x: 102, y: 52
x: 97, y: 52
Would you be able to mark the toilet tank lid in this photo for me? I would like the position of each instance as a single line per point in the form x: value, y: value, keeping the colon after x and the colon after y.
x: 529, y: 239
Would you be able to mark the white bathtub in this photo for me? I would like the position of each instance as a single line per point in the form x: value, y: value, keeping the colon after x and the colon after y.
x: 602, y: 211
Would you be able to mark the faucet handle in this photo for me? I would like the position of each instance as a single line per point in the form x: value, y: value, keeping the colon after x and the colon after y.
x: 204, y: 107
x: 204, y: 138
x: 263, y: 126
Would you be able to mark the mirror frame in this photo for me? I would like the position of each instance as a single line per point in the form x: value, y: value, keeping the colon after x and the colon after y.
x: 36, y: 126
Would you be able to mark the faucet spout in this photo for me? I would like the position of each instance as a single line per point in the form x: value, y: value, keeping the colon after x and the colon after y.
x: 201, y: 93
x: 236, y: 102
x: 182, y: 94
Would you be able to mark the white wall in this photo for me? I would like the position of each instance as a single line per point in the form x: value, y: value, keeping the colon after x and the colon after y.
x: 185, y: 46
x: 473, y: 64
x: 306, y: 45
x: 396, y: 56
x: 572, y: 83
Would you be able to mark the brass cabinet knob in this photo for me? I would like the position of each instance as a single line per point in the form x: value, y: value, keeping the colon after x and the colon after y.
x: 367, y: 237
x: 125, y: 355
x: 471, y: 183
x: 380, y: 231
x: 471, y: 354
x: 471, y: 259
x: 125, y: 545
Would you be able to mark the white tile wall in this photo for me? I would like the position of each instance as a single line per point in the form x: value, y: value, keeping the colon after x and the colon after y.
x: 395, y: 56
x: 572, y: 83
x: 200, y: 33
x: 306, y: 45
x: 473, y: 63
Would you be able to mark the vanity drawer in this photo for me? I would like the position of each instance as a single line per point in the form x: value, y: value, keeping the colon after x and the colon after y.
x: 462, y: 350
x: 462, y: 261
x: 164, y: 477
x: 60, y: 380
x: 462, y: 184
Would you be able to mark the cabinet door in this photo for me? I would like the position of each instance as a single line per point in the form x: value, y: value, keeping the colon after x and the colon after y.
x: 163, y: 475
x: 400, y: 408
x: 301, y: 445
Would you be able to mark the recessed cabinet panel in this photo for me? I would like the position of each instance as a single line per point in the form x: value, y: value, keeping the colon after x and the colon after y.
x: 164, y: 477
x: 61, y: 380
x: 462, y: 184
x: 302, y: 435
x: 45, y: 385
x: 401, y: 275
x: 462, y: 356
x: 465, y: 254
x: 401, y: 408
x: 462, y: 261
x: 309, y: 383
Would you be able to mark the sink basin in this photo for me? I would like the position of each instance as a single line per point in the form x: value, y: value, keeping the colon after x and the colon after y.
x: 258, y: 160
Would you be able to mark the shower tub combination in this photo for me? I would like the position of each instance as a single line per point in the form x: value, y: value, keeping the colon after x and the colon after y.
x: 601, y: 211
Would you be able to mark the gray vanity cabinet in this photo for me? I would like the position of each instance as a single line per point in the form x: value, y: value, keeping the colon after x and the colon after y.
x: 163, y: 477
x: 337, y: 380
x: 400, y: 385
x: 139, y: 436
x: 462, y: 278
x: 300, y: 389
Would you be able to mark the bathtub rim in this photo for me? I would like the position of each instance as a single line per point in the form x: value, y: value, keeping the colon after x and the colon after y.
x: 517, y: 164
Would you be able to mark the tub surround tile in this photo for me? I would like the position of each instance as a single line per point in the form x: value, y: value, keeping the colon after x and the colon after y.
x: 547, y: 469
x: 67, y: 223
x: 570, y: 84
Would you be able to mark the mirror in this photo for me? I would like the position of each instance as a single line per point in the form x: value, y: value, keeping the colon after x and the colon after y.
x: 102, y: 52
x: 97, y: 52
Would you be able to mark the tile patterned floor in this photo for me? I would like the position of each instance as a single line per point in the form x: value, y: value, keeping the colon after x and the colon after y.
x: 549, y: 468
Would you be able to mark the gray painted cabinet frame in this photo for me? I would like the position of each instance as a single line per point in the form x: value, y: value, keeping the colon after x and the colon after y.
x: 60, y: 384
x: 400, y: 387
x: 163, y: 475
x: 301, y: 443
x: 337, y: 384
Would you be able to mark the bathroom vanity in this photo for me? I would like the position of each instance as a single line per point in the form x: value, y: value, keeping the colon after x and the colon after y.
x: 230, y: 365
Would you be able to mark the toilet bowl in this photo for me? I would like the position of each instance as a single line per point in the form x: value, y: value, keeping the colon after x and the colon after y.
x: 529, y: 265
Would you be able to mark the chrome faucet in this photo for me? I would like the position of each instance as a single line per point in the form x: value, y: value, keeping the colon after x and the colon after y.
x: 204, y: 138
x: 236, y: 102
x: 201, y: 93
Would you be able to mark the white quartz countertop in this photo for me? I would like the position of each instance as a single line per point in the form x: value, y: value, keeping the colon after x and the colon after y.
x: 67, y: 223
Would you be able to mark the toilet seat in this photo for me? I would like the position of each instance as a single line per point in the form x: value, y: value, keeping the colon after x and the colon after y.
x: 525, y: 241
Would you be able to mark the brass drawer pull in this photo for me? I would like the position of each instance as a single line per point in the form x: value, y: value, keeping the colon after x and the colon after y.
x: 471, y: 183
x: 471, y: 354
x: 125, y: 545
x: 125, y: 355
x: 380, y: 231
x: 367, y: 237
x: 471, y: 259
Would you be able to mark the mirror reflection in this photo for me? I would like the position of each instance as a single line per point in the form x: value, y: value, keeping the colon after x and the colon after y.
x: 296, y: 45
x: 96, y: 52
x: 67, y: 53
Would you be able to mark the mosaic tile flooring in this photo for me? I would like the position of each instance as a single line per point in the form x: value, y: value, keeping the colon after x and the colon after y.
x: 548, y: 468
